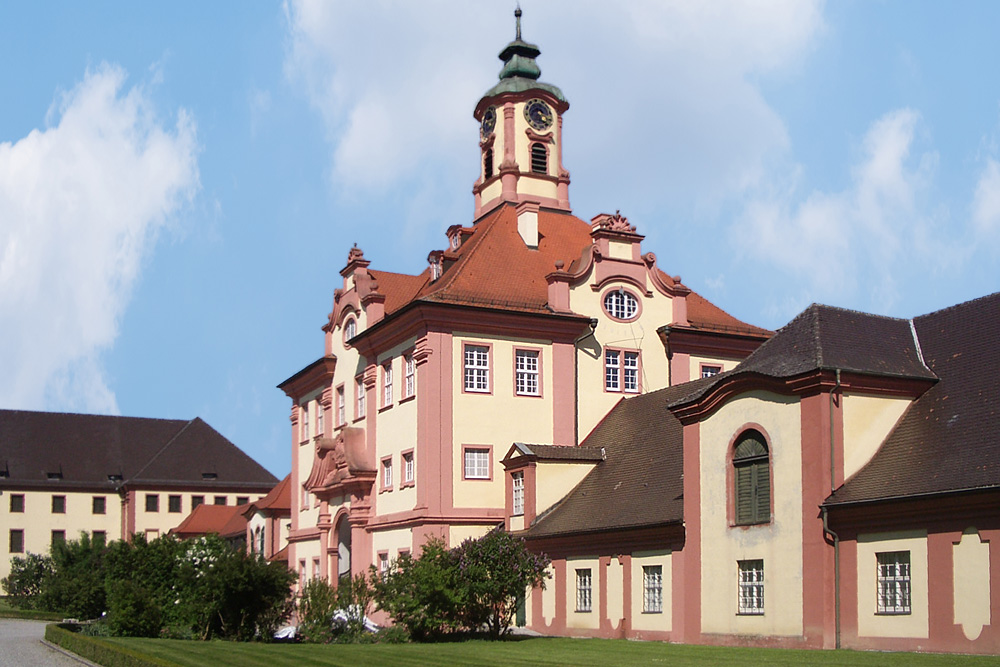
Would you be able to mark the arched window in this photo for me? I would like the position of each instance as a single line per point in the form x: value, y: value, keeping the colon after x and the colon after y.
x: 753, y: 479
x: 539, y: 158
x: 488, y: 164
x: 350, y: 329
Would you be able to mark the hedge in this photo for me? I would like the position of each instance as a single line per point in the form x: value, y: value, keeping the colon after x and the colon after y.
x: 101, y: 652
x: 31, y: 614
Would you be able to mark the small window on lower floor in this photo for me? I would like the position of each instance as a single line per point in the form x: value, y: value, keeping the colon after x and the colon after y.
x: 152, y: 502
x: 197, y: 500
x: 751, y: 600
x: 99, y: 537
x: 99, y: 505
x: 16, y: 541
x: 17, y: 502
x: 708, y: 371
x: 583, y: 590
x: 219, y: 500
x: 652, y: 589
x: 893, y: 582
x: 242, y: 500
x: 58, y: 537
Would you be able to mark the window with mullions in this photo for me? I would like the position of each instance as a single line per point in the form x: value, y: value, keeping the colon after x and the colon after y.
x: 752, y: 475
x: 621, y: 371
x: 517, y: 480
x: 621, y: 305
x: 751, y: 602
x: 893, y: 583
x: 526, y: 372
x: 477, y: 368
x: 652, y: 589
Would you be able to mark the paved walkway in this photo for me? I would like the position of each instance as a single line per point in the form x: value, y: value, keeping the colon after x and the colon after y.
x: 21, y: 646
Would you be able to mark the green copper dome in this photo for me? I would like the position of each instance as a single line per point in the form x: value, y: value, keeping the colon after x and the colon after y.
x: 520, y: 71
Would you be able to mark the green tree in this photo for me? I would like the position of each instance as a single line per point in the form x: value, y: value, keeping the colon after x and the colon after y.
x: 495, y: 570
x: 23, y: 585
x: 76, y: 583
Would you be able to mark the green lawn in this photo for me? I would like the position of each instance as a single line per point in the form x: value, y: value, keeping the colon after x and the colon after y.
x: 597, y: 652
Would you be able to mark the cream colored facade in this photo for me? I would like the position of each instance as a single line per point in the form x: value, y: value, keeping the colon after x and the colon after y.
x: 870, y: 622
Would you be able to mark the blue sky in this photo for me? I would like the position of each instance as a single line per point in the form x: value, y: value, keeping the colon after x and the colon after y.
x: 180, y: 183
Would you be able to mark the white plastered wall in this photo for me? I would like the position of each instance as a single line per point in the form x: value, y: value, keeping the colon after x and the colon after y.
x: 651, y: 621
x: 867, y: 422
x: 397, y: 432
x: 778, y: 543
x: 972, y: 583
x: 583, y: 619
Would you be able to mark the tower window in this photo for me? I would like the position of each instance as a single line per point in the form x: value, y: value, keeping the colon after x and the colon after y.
x: 488, y: 164
x: 539, y: 158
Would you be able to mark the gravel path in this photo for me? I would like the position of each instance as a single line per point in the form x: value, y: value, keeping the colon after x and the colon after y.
x: 21, y: 646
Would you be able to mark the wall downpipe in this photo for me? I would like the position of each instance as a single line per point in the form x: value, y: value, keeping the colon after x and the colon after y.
x: 826, y: 523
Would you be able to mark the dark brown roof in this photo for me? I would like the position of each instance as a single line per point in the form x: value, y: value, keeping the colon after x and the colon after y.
x: 825, y: 337
x: 560, y: 452
x: 947, y: 441
x: 639, y: 484
x: 85, y: 451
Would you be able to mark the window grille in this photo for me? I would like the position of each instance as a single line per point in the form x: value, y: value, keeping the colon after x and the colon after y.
x: 621, y: 305
x: 583, y: 591
x: 893, y: 582
x: 477, y: 463
x: 477, y: 368
x: 652, y: 589
x: 526, y: 372
x: 751, y: 587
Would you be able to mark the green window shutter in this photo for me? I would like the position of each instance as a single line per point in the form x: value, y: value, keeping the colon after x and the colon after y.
x: 753, y: 482
x: 744, y: 494
x: 763, y: 499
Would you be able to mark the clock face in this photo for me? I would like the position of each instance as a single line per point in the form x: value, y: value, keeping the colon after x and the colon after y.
x: 489, y: 121
x: 538, y: 114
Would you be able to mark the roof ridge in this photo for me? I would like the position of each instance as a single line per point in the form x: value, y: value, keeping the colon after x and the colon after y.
x: 90, y: 414
x: 959, y: 305
x: 817, y: 334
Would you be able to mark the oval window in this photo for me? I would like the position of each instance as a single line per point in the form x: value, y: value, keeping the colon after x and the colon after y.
x: 621, y: 305
x: 350, y: 329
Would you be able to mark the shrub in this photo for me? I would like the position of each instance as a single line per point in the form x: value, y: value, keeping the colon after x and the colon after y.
x: 316, y: 607
x: 494, y: 571
x: 75, y: 585
x: 133, y: 612
x: 423, y: 594
x: 23, y: 585
x: 330, y: 613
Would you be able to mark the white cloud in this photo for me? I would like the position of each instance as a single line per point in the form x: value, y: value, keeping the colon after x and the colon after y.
x: 986, y: 201
x: 878, y: 226
x: 664, y: 93
x: 81, y: 202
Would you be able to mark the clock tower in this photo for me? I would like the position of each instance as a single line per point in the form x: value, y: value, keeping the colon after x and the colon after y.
x: 520, y: 135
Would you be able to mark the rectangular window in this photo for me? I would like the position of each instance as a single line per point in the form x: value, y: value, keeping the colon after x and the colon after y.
x: 302, y: 573
x: 304, y: 424
x: 359, y: 392
x: 341, y: 407
x: 477, y: 463
x: 621, y: 371
x: 152, y: 502
x: 242, y: 500
x: 526, y: 373
x: 583, y: 596
x: 751, y: 593
x: 652, y: 589
x: 315, y: 568
x: 16, y: 541
x: 477, y: 368
x: 410, y: 385
x: 58, y: 504
x: 98, y: 505
x: 517, y: 479
x: 409, y: 470
x: 708, y: 371
x: 220, y: 500
x: 383, y: 563
x: 387, y: 383
x: 321, y: 419
x: 17, y: 503
x: 58, y: 537
x: 612, y: 370
x: 99, y: 537
x: 197, y: 500
x: 387, y: 473
x: 893, y: 582
x: 174, y: 504
x: 630, y: 372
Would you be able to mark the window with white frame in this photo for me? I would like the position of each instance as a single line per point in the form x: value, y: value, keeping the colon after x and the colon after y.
x: 359, y: 394
x: 621, y: 371
x: 383, y: 563
x: 652, y: 589
x: 350, y: 329
x: 387, y: 383
x: 583, y: 590
x: 621, y: 305
x: 477, y: 368
x: 893, y: 582
x: 526, y: 372
x: 477, y: 463
x: 517, y: 480
x: 320, y: 418
x: 751, y: 601
x: 387, y: 473
x: 708, y: 371
x: 409, y: 470
x: 341, y: 407
x: 410, y: 381
x: 304, y: 423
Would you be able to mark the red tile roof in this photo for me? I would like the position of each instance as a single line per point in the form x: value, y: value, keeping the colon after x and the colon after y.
x: 278, y: 499
x: 223, y: 520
